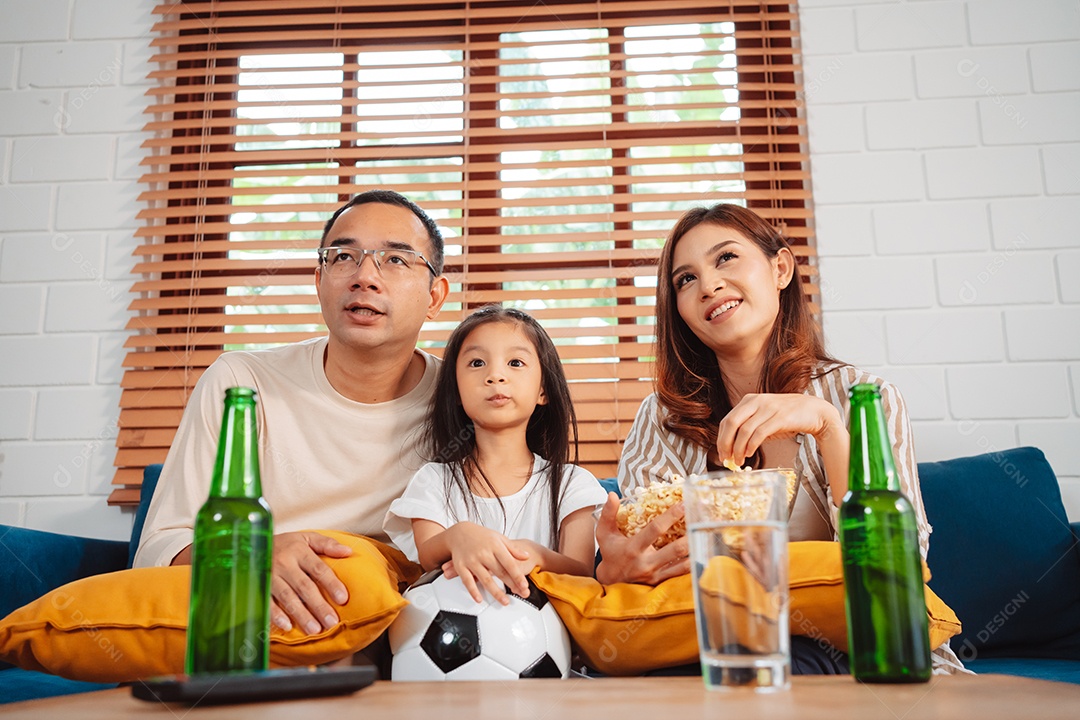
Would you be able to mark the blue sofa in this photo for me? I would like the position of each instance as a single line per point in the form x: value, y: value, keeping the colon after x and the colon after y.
x: 33, y: 563
x: 1003, y: 554
x: 1005, y: 558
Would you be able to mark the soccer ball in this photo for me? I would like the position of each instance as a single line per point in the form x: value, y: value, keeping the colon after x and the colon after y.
x: 443, y: 634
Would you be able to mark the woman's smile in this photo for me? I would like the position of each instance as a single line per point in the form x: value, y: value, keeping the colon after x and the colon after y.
x: 721, y: 310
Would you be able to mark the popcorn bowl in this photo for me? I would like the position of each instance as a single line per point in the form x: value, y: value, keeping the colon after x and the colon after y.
x: 642, y: 504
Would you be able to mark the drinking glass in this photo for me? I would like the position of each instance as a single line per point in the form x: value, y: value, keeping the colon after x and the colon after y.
x: 737, y: 525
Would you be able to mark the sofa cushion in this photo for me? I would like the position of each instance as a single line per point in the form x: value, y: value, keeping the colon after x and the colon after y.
x: 1003, y: 555
x: 131, y: 624
x: 626, y: 628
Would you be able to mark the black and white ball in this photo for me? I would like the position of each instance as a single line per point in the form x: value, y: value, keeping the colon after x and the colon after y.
x: 443, y: 634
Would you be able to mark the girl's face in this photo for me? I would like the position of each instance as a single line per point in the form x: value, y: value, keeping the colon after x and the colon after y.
x: 499, y: 376
x: 726, y: 289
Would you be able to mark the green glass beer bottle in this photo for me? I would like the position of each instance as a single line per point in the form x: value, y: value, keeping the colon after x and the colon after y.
x: 229, y: 618
x: 879, y: 541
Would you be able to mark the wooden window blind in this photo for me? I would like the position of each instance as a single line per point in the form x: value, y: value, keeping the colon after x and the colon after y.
x: 555, y: 143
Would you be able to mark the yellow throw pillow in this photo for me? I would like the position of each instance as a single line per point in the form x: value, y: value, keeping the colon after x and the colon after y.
x: 132, y: 624
x: 749, y: 611
x: 627, y: 629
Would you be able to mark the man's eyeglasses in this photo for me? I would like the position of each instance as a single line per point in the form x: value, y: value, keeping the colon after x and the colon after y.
x: 344, y: 260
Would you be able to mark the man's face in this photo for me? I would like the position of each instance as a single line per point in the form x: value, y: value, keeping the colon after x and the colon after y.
x: 369, y: 308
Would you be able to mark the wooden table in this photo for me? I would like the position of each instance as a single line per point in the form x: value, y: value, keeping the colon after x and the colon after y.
x: 655, y: 698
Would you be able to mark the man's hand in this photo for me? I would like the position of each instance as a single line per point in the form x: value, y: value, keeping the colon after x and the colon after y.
x: 298, y: 573
x: 634, y: 559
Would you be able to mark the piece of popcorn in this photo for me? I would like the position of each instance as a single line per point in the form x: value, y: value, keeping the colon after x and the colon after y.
x: 730, y: 465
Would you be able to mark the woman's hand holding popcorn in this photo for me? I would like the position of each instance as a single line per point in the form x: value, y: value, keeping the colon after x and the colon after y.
x: 635, y: 559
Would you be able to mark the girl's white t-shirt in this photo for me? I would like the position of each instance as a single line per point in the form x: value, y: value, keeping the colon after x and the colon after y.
x: 527, y: 512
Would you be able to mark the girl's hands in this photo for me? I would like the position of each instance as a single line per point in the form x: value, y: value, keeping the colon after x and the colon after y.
x: 760, y: 417
x: 479, y: 556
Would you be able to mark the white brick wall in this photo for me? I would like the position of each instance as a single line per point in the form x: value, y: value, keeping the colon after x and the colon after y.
x: 920, y: 228
x: 15, y: 420
x: 983, y: 172
x: 896, y: 26
x: 934, y: 337
x: 842, y: 127
x: 26, y: 22
x: 7, y: 67
x: 55, y: 159
x: 859, y: 177
x: 923, y: 388
x: 983, y: 279
x: 68, y: 64
x: 25, y: 303
x: 29, y: 112
x: 39, y: 257
x: 944, y: 150
x: 1035, y: 223
x: 949, y: 439
x: 1068, y: 276
x: 876, y: 283
x: 1061, y: 167
x: 94, y: 19
x: 849, y: 229
x: 72, y: 78
x: 970, y: 72
x: 945, y: 156
x: 994, y: 22
x: 829, y: 30
x: 1051, y: 67
x: 1074, y: 372
x: 1032, y: 333
x: 857, y: 337
x: 1035, y: 119
x: 921, y: 124
x: 996, y: 392
x: 858, y: 77
x: 25, y: 207
x: 39, y: 468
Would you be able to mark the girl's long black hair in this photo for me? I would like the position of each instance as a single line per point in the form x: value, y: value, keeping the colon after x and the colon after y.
x: 548, y: 434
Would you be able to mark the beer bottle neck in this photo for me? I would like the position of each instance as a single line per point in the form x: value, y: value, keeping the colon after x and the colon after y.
x: 236, y: 471
x: 871, y: 464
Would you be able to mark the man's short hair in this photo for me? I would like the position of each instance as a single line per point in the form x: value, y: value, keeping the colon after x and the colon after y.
x: 390, y: 197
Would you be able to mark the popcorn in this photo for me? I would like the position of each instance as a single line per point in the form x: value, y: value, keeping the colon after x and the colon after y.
x: 645, y: 503
x: 730, y: 465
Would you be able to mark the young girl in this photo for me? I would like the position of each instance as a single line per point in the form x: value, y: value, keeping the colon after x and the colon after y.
x: 501, y: 497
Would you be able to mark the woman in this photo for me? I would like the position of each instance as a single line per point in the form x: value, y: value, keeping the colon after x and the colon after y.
x: 742, y: 375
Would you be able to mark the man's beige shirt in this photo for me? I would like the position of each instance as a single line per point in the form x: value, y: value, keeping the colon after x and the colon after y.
x: 327, y: 462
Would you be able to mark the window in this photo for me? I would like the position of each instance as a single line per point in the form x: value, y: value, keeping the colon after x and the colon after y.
x: 555, y: 143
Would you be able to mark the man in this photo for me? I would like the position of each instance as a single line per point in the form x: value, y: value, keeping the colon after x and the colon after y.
x: 338, y: 416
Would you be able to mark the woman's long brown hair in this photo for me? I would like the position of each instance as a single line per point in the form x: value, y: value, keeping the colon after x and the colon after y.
x: 688, y: 380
